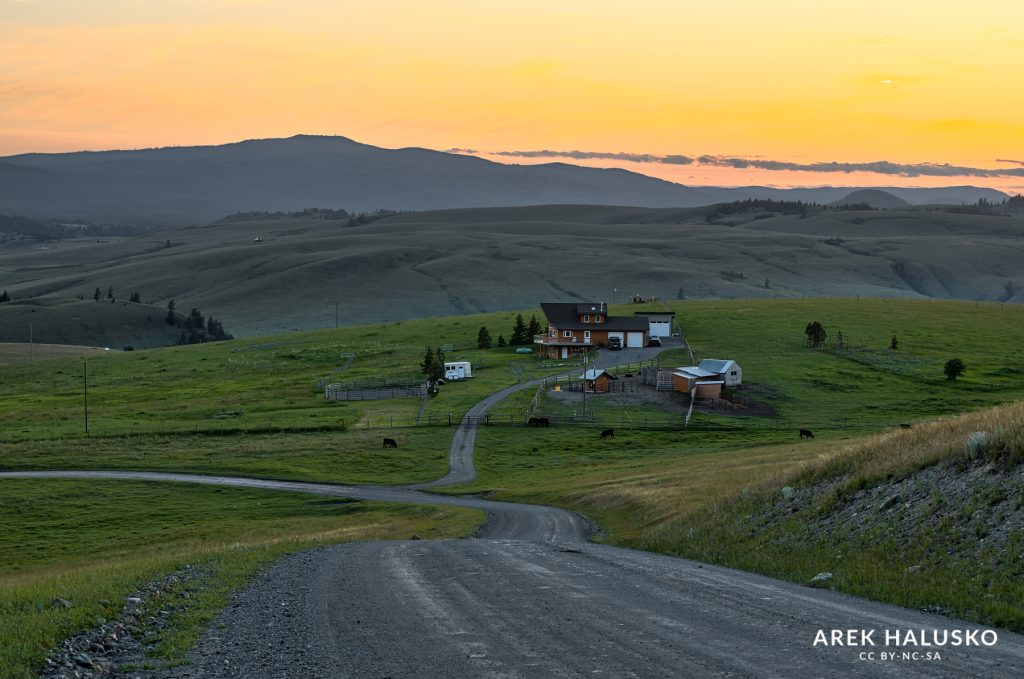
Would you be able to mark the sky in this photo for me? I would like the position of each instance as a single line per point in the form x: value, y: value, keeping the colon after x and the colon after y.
x: 783, y: 93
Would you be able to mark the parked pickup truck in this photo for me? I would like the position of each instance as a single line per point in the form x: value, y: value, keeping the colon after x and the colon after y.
x: 614, y: 343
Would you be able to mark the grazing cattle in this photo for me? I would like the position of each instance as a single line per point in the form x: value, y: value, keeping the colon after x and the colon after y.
x: 904, y: 425
x: 806, y: 434
x: 608, y: 434
x: 390, y: 443
x: 539, y: 422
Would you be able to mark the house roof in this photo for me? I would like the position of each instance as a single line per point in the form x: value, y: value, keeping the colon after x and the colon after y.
x: 591, y: 308
x: 594, y: 373
x: 694, y: 372
x: 717, y: 366
x: 657, y: 315
x: 565, y: 316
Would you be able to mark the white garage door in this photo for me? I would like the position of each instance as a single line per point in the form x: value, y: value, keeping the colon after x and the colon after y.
x: 635, y: 340
x: 620, y: 335
x: 660, y: 329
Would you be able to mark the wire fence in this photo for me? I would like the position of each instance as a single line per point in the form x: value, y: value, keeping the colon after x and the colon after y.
x: 638, y: 422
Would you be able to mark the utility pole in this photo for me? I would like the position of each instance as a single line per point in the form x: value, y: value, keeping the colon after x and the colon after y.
x: 85, y: 381
x: 584, y: 383
x: 335, y: 312
x: 31, y: 343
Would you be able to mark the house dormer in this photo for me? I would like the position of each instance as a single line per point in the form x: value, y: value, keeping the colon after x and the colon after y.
x: 591, y: 313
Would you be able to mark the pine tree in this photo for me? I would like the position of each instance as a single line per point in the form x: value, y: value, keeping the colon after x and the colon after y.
x: 170, y: 313
x: 428, y: 360
x: 96, y: 295
x: 110, y: 292
x: 519, y: 332
x: 135, y: 298
x: 483, y: 338
x: 5, y: 297
x: 534, y: 329
x: 501, y: 341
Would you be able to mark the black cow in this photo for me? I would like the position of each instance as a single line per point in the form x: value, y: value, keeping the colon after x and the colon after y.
x: 390, y: 443
x: 539, y: 422
x: 904, y: 425
x: 806, y: 434
x: 608, y: 434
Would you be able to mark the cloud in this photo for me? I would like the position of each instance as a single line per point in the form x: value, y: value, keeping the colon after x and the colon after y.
x: 876, y: 167
x: 1011, y: 162
x: 456, y: 149
x: 601, y: 155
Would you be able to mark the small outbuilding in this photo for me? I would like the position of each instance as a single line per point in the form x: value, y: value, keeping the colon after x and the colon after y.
x: 597, y: 381
x: 728, y: 370
x: 457, y: 370
x: 707, y: 384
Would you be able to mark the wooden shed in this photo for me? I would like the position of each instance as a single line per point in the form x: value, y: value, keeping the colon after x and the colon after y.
x: 597, y: 381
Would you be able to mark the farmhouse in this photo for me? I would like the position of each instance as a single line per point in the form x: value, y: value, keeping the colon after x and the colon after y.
x: 729, y: 371
x: 573, y: 328
x: 596, y: 381
x: 708, y: 384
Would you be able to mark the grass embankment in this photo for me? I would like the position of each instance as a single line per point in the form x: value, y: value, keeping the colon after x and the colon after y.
x: 94, y: 542
x: 929, y: 518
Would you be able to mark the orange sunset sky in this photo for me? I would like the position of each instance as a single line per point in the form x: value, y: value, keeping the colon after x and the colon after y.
x: 919, y: 84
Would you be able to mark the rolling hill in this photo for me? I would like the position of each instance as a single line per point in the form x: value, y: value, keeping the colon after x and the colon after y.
x: 880, y: 200
x: 464, y: 261
x: 188, y: 185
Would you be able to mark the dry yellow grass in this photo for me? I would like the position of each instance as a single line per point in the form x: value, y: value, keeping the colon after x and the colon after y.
x: 904, y: 451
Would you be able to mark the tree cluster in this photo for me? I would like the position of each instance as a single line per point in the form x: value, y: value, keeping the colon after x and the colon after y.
x: 433, y: 364
x: 816, y: 334
x: 196, y: 328
x: 4, y: 297
x: 523, y: 334
x: 954, y: 368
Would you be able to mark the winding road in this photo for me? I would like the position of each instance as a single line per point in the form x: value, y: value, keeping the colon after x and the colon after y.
x: 530, y: 598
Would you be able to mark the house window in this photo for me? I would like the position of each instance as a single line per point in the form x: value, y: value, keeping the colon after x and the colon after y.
x: 733, y: 372
x: 586, y: 318
x: 586, y: 335
x: 597, y: 319
x: 567, y: 333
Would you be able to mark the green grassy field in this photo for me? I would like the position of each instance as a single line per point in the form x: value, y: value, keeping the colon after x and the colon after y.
x: 94, y: 542
x: 248, y: 407
x: 253, y: 385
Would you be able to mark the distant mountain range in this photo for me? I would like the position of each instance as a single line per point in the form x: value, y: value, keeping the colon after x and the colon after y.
x: 198, y: 184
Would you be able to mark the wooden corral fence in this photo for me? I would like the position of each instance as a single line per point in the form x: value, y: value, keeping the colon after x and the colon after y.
x: 346, y: 361
x: 368, y: 390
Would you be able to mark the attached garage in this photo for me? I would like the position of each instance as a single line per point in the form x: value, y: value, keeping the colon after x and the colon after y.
x: 658, y: 324
x: 620, y: 335
x: 635, y: 340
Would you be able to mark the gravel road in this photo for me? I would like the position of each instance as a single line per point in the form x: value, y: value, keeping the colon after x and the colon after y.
x: 531, y: 598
